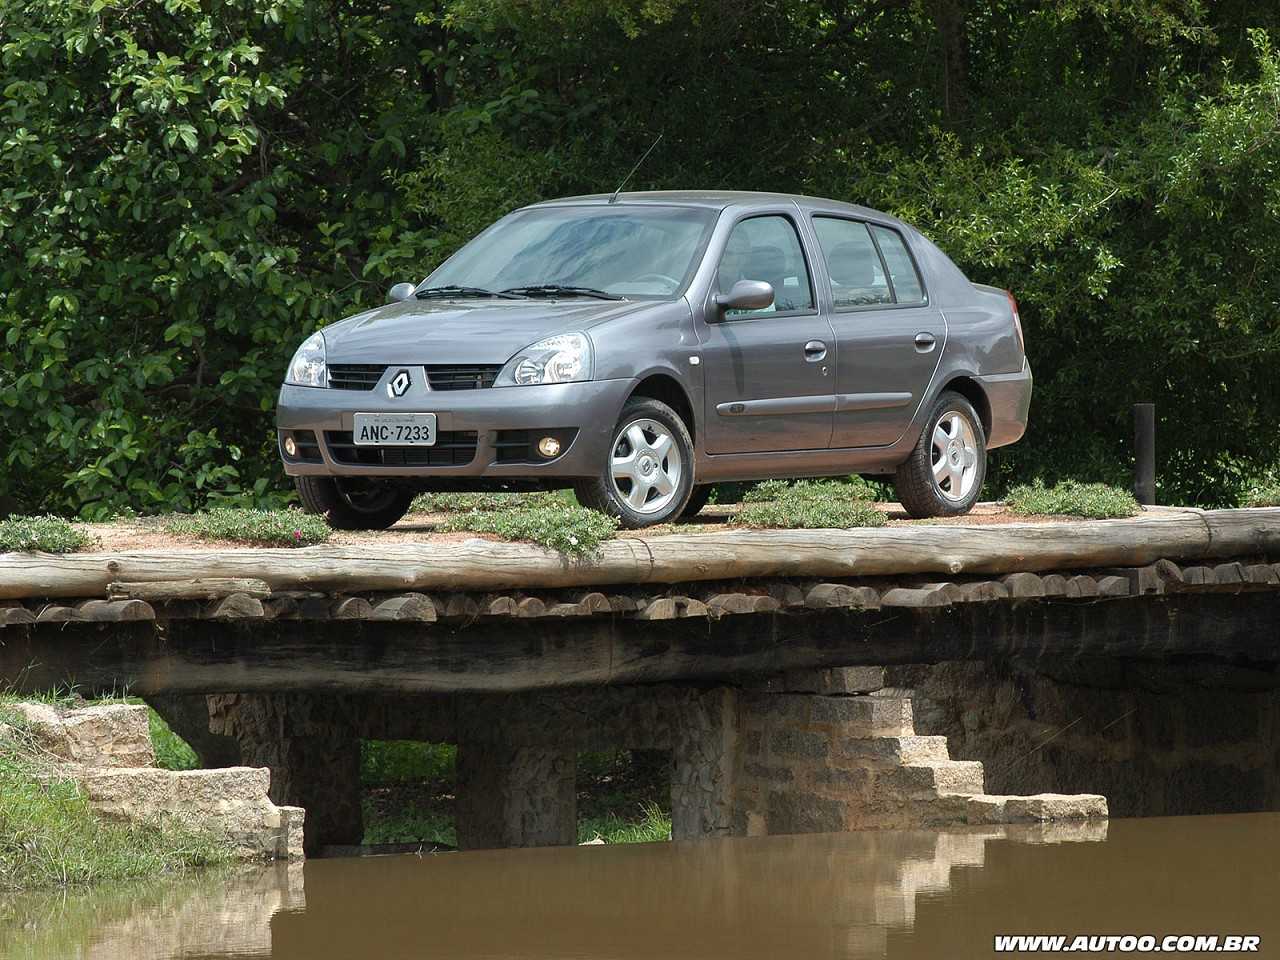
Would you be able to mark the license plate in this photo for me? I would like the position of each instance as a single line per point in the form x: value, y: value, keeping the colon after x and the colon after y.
x: 394, y: 429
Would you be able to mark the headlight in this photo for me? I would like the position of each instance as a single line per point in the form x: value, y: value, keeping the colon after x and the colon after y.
x: 560, y: 359
x: 307, y: 368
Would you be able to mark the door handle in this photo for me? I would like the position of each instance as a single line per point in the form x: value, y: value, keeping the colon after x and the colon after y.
x: 815, y: 350
x: 925, y: 342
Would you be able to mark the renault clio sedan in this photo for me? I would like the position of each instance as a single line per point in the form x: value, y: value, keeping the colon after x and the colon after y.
x: 641, y: 347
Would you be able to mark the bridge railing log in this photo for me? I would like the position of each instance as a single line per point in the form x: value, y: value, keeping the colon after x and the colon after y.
x: 481, y: 565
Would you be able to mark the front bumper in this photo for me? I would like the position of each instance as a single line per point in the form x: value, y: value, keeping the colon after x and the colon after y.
x: 478, y: 429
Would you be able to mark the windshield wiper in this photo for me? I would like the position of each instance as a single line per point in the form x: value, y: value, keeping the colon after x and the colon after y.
x: 551, y: 289
x: 453, y: 290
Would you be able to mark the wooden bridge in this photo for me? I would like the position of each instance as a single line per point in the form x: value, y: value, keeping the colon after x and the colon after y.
x: 736, y: 651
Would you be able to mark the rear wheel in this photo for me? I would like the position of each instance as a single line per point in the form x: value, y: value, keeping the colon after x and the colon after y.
x: 944, y: 474
x: 648, y: 475
x: 354, y: 503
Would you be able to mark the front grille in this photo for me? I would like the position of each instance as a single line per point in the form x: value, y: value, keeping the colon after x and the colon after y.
x: 454, y: 377
x: 453, y: 448
x: 355, y: 376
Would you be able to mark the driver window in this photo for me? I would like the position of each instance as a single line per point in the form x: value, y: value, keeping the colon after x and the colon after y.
x: 768, y: 249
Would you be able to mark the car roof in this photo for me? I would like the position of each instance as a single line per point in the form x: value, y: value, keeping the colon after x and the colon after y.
x: 719, y: 200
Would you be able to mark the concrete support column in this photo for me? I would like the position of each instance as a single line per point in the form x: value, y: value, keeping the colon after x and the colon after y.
x: 704, y: 737
x: 313, y: 751
x: 516, y: 796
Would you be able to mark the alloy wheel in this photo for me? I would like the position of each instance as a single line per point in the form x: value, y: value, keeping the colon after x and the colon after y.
x: 646, y: 466
x: 954, y: 456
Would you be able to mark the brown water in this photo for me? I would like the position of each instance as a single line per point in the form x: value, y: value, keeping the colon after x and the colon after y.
x: 911, y: 895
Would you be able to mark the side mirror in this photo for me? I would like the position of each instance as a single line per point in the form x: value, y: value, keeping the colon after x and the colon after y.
x: 746, y: 295
x: 401, y: 291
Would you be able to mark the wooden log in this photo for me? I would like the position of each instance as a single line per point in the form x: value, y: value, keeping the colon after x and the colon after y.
x: 953, y: 591
x: 1170, y: 574
x: 1197, y: 576
x: 595, y: 604
x: 410, y: 606
x: 827, y: 595
x: 689, y: 607
x: 351, y: 608
x: 15, y: 616
x: 983, y: 591
x: 1024, y: 586
x: 619, y: 603
x: 54, y: 614
x: 461, y: 606
x: 1228, y: 574
x: 238, y: 606
x: 906, y: 597
x: 732, y: 554
x: 499, y: 607
x: 1142, y: 580
x: 281, y: 608
x: 116, y: 611
x: 209, y: 589
x: 724, y: 604
x: 567, y: 610
x: 529, y: 607
x: 787, y: 594
x: 1055, y: 585
x: 1262, y: 574
x: 1081, y: 586
x: 1113, y: 587
x: 663, y: 608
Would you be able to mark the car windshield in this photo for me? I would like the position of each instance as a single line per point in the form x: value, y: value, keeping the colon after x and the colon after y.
x: 633, y: 251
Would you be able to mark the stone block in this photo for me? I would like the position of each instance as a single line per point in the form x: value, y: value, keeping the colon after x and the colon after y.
x: 895, y: 750
x: 1042, y: 807
x: 771, y: 774
x: 792, y: 812
x: 799, y: 744
x: 110, y: 735
x: 928, y: 780
x: 834, y: 681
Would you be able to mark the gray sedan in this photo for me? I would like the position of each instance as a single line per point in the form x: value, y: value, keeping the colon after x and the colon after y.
x: 644, y: 346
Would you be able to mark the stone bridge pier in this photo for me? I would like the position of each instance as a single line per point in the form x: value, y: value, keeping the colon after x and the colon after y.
x: 811, y: 751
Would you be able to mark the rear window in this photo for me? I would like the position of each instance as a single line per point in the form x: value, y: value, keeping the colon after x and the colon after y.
x: 907, y: 287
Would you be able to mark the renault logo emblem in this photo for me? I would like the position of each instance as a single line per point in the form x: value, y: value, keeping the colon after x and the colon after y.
x: 399, y: 384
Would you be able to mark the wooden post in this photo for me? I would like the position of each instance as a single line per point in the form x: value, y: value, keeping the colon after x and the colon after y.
x: 1144, y: 450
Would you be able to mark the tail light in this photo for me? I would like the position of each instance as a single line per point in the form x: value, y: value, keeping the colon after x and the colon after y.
x: 1017, y: 320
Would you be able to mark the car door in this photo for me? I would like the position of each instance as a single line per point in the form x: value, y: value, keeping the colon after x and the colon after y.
x: 768, y: 375
x: 888, y: 337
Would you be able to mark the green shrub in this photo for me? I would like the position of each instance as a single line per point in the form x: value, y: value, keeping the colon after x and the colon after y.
x: 465, y: 502
x: 282, y: 528
x: 809, y: 503
x: 172, y: 752
x: 50, y: 534
x: 1263, y: 496
x: 404, y: 761
x: 1095, y: 501
x: 572, y: 530
x: 50, y: 837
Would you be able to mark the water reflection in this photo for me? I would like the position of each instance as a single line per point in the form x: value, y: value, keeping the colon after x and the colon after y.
x: 900, y: 894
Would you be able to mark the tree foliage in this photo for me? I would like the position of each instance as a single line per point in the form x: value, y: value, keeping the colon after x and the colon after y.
x: 188, y: 188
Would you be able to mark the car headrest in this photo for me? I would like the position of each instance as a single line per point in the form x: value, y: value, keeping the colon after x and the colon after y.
x: 852, y: 265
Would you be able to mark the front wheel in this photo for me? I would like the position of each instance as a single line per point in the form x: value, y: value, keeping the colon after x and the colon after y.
x: 944, y: 474
x: 353, y: 503
x: 648, y: 475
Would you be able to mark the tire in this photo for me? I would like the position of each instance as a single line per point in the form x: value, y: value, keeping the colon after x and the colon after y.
x: 652, y: 421
x: 954, y: 441
x: 697, y: 500
x: 354, y: 503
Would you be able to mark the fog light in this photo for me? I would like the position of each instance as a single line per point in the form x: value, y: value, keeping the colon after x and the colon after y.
x: 549, y: 446
x: 290, y: 447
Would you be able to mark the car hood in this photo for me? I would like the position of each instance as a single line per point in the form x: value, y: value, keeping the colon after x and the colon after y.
x: 461, y: 331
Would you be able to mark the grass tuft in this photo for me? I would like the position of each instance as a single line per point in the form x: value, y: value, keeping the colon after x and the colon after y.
x: 652, y: 826
x: 280, y: 528
x: 1264, y: 492
x: 172, y: 752
x: 1094, y: 501
x: 50, y: 837
x: 572, y: 530
x: 496, y: 500
x: 810, y: 504
x: 50, y: 534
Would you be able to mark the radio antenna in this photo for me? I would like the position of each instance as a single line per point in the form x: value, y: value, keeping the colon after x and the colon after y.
x: 645, y: 156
